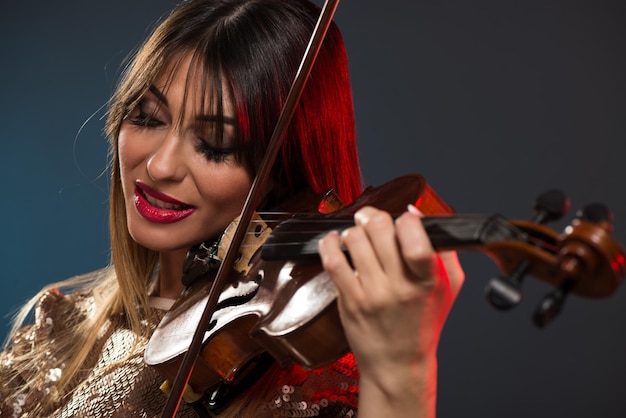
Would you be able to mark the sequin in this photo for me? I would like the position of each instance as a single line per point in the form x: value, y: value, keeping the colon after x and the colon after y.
x: 112, y: 389
x: 53, y: 375
x: 107, y: 389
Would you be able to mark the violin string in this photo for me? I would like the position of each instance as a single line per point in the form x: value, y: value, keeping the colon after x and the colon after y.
x: 265, y: 213
x: 311, y: 233
x: 305, y: 230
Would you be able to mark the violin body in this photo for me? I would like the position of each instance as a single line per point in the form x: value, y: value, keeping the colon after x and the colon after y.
x: 284, y: 307
x: 280, y: 301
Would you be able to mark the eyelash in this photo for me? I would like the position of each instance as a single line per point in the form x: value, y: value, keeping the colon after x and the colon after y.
x: 212, y: 153
x: 143, y: 119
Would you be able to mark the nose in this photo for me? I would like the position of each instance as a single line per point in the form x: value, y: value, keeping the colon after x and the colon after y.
x: 167, y: 162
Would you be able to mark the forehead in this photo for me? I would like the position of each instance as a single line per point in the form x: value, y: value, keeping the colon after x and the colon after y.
x: 186, y: 80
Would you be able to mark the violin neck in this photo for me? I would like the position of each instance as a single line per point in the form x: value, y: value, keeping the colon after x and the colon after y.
x: 297, y: 238
x: 468, y: 232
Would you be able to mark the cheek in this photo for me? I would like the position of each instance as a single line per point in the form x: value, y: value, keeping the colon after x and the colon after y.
x: 129, y: 155
x: 228, y: 187
x: 242, y: 187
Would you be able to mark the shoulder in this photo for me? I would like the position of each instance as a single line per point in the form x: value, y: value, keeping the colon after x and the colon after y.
x: 28, y: 363
x: 58, y: 310
x: 55, y: 311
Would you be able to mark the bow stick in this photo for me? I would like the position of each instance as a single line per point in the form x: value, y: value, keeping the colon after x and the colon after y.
x: 258, y: 185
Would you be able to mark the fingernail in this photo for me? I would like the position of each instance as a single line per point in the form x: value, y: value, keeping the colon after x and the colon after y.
x: 415, y: 211
x: 329, y: 234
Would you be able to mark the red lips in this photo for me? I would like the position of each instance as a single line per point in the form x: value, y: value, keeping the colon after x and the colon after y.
x: 158, y: 207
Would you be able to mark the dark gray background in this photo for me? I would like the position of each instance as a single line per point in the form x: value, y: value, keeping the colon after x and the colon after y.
x: 493, y: 101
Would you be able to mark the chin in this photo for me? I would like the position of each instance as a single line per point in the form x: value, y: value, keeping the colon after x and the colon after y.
x: 161, y: 241
x: 163, y: 238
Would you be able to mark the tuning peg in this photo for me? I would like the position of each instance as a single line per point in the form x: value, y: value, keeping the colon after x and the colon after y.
x: 505, y: 292
x: 552, y: 304
x: 596, y: 213
x: 550, y: 206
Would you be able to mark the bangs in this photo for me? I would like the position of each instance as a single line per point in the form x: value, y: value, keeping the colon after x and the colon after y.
x: 205, y: 91
x: 209, y: 89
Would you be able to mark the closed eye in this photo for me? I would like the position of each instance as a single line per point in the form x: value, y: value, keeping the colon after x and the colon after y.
x: 140, y: 117
x: 212, y: 153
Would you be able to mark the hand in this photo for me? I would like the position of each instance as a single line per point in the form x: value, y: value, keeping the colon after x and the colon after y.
x: 393, y: 301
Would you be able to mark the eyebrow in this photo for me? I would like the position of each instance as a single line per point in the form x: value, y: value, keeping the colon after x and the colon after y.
x: 204, y: 118
x: 158, y: 94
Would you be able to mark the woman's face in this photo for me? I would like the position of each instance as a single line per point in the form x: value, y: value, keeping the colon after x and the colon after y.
x: 180, y: 185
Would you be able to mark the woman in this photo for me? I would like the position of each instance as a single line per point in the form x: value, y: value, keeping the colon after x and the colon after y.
x: 188, y: 127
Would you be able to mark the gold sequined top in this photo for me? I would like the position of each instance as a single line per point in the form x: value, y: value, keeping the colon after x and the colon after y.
x: 131, y: 389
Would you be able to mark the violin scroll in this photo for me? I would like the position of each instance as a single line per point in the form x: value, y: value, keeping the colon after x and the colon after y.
x: 586, y: 239
x: 583, y: 259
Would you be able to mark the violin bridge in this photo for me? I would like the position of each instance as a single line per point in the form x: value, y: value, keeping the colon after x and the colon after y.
x: 256, y: 234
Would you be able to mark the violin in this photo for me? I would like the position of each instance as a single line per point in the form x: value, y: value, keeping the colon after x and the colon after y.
x: 280, y: 302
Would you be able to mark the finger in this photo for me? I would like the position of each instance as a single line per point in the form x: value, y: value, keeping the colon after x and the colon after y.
x: 337, y: 266
x: 380, y: 229
x: 364, y: 261
x: 415, y: 246
x: 450, y: 261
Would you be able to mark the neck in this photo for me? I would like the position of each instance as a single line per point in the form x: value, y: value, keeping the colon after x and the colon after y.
x: 170, y: 273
